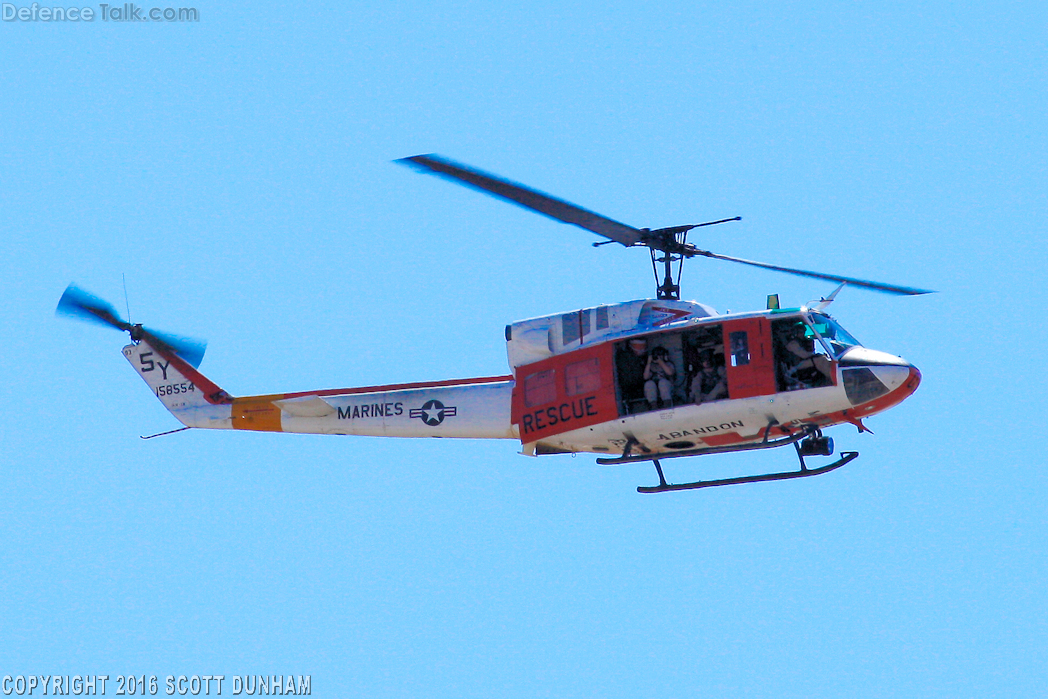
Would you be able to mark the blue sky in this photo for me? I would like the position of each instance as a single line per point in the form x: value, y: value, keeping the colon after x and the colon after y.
x: 237, y: 171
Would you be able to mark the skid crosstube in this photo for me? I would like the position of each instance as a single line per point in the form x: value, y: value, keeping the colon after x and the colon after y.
x: 629, y: 458
x: 809, y: 431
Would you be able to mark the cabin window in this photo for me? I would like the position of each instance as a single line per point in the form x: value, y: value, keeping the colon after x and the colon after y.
x: 740, y: 348
x: 540, y: 388
x: 602, y: 317
x: 582, y: 377
x: 569, y: 328
x: 574, y: 326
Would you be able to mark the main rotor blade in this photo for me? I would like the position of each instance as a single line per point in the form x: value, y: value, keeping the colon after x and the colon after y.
x: 865, y: 283
x: 77, y: 303
x: 527, y: 197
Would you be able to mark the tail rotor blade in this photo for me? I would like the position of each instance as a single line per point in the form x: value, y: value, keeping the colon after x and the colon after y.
x: 187, y: 348
x: 77, y: 303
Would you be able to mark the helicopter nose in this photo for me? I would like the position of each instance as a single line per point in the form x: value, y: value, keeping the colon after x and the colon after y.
x: 915, y: 379
x: 869, y: 374
x: 901, y: 381
x: 892, y: 376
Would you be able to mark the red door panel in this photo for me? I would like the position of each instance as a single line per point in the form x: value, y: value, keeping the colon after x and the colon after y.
x: 748, y: 358
x: 564, y: 393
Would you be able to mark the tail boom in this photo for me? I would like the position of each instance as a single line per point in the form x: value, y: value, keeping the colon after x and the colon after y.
x: 475, y: 408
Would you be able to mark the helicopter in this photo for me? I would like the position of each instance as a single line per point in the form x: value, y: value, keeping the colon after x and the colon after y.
x: 640, y: 381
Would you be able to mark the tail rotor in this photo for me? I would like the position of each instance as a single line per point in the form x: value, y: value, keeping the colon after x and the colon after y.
x: 79, y: 304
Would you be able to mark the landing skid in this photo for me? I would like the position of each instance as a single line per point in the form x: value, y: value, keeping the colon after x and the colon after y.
x: 809, y: 433
x: 804, y: 472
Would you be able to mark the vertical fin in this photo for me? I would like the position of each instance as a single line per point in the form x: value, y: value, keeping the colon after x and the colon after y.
x: 190, y: 396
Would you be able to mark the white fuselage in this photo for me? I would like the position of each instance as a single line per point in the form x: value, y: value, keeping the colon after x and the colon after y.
x: 568, y: 391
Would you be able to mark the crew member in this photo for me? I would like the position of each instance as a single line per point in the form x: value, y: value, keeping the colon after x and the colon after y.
x: 709, y: 384
x: 658, y: 378
x: 809, y: 366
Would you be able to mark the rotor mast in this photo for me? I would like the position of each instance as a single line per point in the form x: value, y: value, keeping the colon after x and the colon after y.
x: 673, y: 244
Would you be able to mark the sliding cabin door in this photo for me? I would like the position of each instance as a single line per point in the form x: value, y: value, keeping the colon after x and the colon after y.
x: 564, y: 393
x: 748, y: 357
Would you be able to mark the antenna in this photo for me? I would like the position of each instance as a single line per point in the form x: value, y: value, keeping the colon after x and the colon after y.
x: 127, y: 305
x: 162, y: 434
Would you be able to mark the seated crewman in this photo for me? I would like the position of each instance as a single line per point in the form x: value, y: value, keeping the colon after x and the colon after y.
x: 631, y: 362
x: 808, y: 365
x: 709, y: 383
x: 658, y: 378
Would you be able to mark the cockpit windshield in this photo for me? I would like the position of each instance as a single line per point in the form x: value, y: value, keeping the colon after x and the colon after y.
x: 837, y: 337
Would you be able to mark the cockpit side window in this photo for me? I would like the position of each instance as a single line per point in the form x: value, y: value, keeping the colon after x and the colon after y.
x: 801, y: 361
x: 839, y: 339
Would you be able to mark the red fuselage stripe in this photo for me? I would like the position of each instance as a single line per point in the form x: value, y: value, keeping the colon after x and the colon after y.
x: 212, y: 393
x: 388, y: 387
